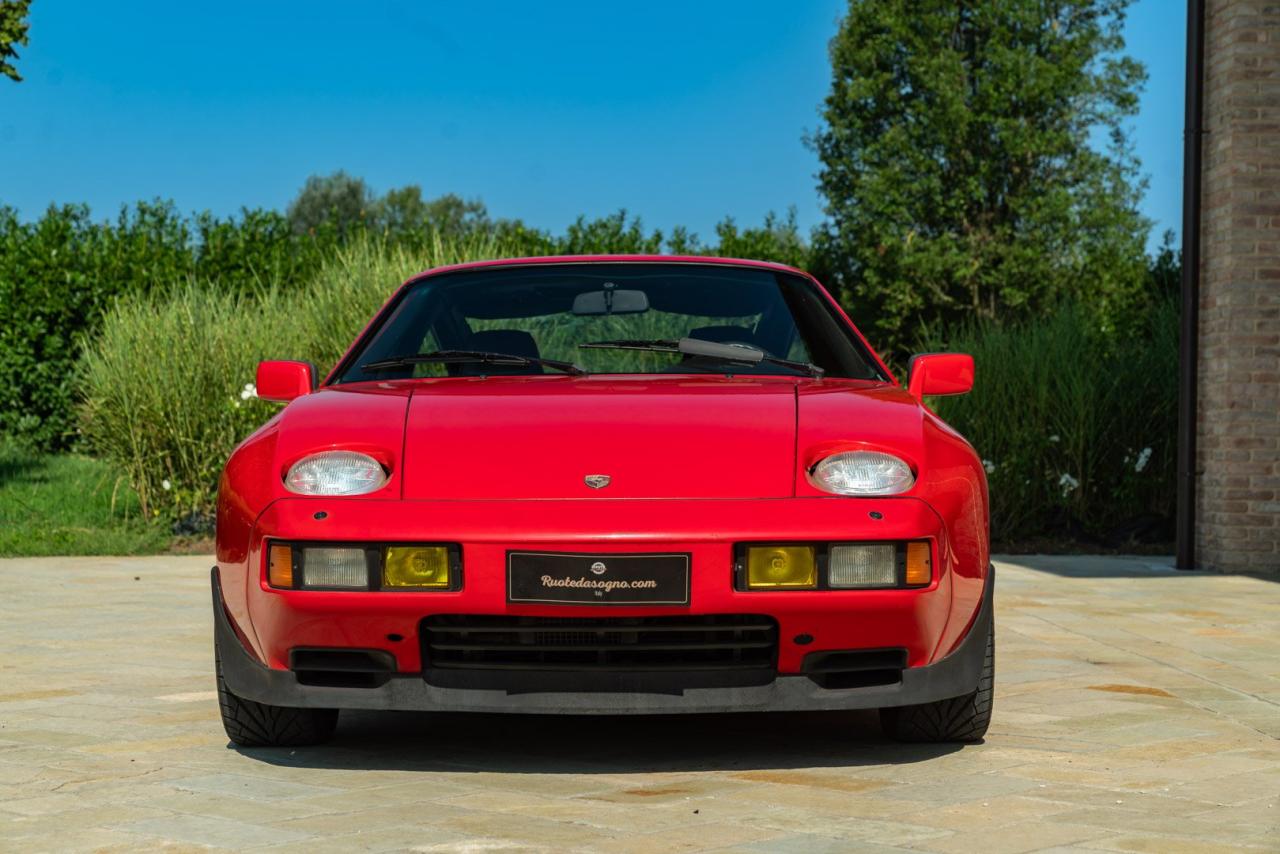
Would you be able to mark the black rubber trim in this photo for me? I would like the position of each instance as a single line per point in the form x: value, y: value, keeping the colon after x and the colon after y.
x: 849, y: 660
x: 334, y: 658
x: 342, y: 668
x: 954, y: 676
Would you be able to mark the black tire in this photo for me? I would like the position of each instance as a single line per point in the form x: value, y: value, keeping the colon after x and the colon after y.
x: 963, y: 719
x: 252, y: 724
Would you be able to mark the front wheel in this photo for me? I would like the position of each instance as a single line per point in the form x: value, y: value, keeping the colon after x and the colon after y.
x: 252, y: 724
x: 963, y: 719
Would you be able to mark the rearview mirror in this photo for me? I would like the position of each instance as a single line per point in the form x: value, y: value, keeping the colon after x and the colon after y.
x: 283, y: 381
x: 939, y: 373
x: 610, y: 301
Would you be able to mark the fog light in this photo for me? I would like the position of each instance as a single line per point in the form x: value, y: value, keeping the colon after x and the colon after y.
x: 781, y: 567
x: 329, y: 567
x: 416, y: 566
x: 873, y: 565
x: 280, y: 566
x: 919, y: 565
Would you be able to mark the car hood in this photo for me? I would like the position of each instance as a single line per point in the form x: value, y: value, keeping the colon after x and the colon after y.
x: 650, y: 437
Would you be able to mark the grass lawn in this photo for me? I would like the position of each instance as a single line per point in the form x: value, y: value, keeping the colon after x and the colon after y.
x: 68, y: 504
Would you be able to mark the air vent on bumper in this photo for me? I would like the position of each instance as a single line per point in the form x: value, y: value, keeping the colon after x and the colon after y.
x: 662, y: 654
x: 342, y: 668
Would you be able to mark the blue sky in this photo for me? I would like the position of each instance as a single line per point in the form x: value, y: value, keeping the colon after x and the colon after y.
x: 679, y: 112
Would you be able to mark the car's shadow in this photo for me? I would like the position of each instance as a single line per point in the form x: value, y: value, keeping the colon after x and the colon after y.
x: 573, y: 744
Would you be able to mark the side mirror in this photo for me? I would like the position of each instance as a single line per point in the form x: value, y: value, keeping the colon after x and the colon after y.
x: 939, y: 373
x: 283, y: 381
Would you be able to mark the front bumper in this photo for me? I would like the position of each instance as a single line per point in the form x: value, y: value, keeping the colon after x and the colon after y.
x: 954, y: 675
x: 927, y: 622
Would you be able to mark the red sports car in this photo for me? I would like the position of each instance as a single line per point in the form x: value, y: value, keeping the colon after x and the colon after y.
x: 605, y: 485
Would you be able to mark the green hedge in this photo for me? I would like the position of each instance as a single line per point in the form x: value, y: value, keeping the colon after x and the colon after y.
x: 60, y: 273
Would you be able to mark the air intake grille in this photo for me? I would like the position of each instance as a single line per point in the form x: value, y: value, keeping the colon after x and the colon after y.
x: 708, y: 642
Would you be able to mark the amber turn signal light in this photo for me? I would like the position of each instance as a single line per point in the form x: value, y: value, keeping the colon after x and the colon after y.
x: 781, y: 567
x: 280, y: 566
x: 919, y: 565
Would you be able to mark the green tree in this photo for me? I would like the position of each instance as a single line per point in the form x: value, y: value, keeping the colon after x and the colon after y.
x: 13, y: 30
x: 975, y: 164
x: 338, y: 200
x: 405, y: 210
x: 614, y: 234
x: 776, y: 240
x: 1164, y: 276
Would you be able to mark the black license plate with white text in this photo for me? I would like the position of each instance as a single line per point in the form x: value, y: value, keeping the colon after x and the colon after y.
x: 604, y: 579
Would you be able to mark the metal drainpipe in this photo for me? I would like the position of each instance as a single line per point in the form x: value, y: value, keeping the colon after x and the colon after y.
x: 1192, y: 151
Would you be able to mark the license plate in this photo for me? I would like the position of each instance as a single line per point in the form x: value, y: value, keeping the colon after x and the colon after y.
x: 611, y: 579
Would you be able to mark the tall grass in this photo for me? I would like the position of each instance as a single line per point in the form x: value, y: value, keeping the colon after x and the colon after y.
x: 163, y: 384
x: 1075, y: 424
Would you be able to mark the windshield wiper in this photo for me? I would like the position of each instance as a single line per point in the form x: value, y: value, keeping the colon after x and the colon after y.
x: 456, y: 357
x: 707, y: 349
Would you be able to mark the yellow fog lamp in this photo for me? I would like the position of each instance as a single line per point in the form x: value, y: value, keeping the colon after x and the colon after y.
x: 416, y: 566
x: 781, y: 567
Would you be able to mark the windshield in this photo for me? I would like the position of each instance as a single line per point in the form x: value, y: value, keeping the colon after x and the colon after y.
x: 545, y: 313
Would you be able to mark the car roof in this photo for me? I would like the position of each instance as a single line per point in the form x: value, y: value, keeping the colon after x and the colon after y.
x: 607, y: 259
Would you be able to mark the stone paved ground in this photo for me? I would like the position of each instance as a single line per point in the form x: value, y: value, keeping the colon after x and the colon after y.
x: 1137, y: 710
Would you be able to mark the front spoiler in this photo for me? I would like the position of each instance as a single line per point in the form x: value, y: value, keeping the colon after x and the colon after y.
x: 953, y: 676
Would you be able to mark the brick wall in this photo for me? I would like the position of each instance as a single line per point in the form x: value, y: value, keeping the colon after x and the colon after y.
x: 1238, y: 494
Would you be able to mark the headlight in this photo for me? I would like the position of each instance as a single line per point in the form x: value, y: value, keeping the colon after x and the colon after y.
x: 862, y: 473
x: 335, y: 473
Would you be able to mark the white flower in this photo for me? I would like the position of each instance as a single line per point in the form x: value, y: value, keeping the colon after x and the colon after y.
x: 989, y: 466
x: 166, y: 485
x: 1068, y: 484
x: 1143, y: 459
x: 1055, y: 438
x: 249, y: 390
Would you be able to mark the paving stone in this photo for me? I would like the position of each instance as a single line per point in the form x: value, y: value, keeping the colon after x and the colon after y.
x: 1172, y: 845
x: 988, y: 813
x: 396, y: 838
x: 217, y: 832
x: 1138, y: 709
x: 245, y: 786
x: 813, y: 843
